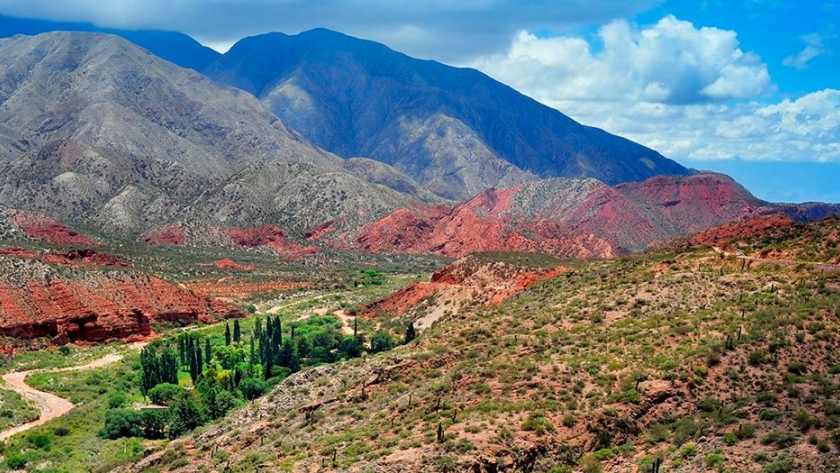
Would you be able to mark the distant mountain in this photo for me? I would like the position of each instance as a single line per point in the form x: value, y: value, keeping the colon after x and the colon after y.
x: 95, y: 130
x: 455, y: 131
x: 177, y: 48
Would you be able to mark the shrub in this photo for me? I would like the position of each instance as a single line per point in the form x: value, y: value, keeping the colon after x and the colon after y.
x: 781, y: 465
x: 163, y: 393
x: 759, y: 357
x: 117, y: 400
x: 714, y: 460
x: 253, y: 388
x: 709, y: 404
x: 16, y: 462
x: 41, y: 441
x: 782, y: 439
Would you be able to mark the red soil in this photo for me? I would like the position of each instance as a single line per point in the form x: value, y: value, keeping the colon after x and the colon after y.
x: 227, y: 263
x: 77, y: 258
x: 46, y: 229
x: 320, y: 231
x: 720, y: 236
x: 497, y: 281
x: 473, y: 227
x: 169, y: 236
x: 270, y: 236
x: 100, y: 308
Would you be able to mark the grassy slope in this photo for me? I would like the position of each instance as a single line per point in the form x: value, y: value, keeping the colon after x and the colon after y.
x: 608, y: 366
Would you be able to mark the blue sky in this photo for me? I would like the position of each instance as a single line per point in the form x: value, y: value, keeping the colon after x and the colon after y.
x: 750, y: 87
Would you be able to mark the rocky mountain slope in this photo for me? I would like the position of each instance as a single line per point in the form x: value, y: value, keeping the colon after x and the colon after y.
x: 683, y: 360
x: 456, y: 131
x: 84, y: 296
x: 174, y: 47
x: 576, y: 218
x: 99, y: 131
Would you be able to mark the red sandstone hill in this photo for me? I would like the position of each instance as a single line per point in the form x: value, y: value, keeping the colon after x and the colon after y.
x: 578, y: 218
x: 86, y: 304
x: 481, y: 278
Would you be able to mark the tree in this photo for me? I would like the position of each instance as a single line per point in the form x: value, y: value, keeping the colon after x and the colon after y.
x: 410, y: 333
x: 121, y: 423
x: 237, y: 331
x: 253, y: 388
x: 381, y: 341
x: 163, y: 393
x: 208, y: 352
x: 185, y: 414
x: 350, y: 347
x: 289, y: 356
x: 227, y: 334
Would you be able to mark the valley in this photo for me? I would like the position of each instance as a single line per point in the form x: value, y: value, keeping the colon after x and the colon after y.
x: 315, y: 253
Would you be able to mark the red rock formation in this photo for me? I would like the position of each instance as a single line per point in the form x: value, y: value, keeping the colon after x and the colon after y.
x: 170, y: 236
x: 722, y: 235
x: 576, y: 219
x: 46, y: 229
x: 101, y: 307
x: 270, y: 236
x: 76, y: 258
x: 495, y: 281
x: 227, y: 263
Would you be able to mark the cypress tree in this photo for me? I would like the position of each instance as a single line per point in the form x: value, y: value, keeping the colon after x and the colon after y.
x: 410, y: 333
x: 194, y: 367
x: 208, y: 351
x: 199, y: 363
x: 168, y: 367
x: 237, y: 332
x: 227, y: 334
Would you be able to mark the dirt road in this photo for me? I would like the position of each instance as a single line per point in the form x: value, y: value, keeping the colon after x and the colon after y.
x: 824, y: 267
x: 51, y: 406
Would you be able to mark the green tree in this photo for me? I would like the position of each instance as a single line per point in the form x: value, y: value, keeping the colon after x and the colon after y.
x: 237, y: 331
x: 381, y: 341
x: 208, y: 352
x: 185, y: 413
x: 410, y: 333
x: 163, y: 393
x: 253, y: 388
x: 227, y: 334
x: 289, y: 356
x: 122, y: 423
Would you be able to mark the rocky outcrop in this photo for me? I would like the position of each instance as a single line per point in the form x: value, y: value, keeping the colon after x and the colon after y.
x: 271, y: 237
x: 575, y: 218
x: 101, y: 307
x: 41, y: 227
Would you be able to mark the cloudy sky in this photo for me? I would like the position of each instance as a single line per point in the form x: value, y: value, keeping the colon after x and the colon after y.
x: 749, y: 87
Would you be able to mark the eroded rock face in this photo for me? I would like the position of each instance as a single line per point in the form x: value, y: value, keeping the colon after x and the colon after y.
x: 46, y: 229
x: 575, y: 218
x: 721, y: 235
x: 170, y: 236
x: 271, y: 237
x: 93, y: 306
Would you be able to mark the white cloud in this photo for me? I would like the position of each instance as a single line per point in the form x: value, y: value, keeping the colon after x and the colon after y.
x: 440, y: 29
x: 690, y: 93
x: 813, y: 48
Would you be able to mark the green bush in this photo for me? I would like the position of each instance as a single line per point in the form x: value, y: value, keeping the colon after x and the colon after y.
x: 163, y: 393
x: 16, y: 462
x: 253, y: 388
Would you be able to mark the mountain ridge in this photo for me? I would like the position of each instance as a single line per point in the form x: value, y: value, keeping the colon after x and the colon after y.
x: 360, y: 98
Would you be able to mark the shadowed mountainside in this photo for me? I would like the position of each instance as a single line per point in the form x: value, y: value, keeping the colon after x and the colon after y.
x: 455, y: 131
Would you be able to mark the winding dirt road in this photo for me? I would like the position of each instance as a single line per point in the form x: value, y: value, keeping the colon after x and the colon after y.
x: 51, y: 406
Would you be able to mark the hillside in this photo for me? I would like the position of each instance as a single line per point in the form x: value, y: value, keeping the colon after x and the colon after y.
x: 455, y: 131
x: 679, y: 359
x: 102, y: 133
x: 574, y: 218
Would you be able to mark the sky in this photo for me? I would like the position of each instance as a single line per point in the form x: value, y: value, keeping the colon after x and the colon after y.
x: 750, y: 87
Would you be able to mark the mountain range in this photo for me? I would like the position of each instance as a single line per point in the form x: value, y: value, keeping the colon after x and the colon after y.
x: 328, y: 138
